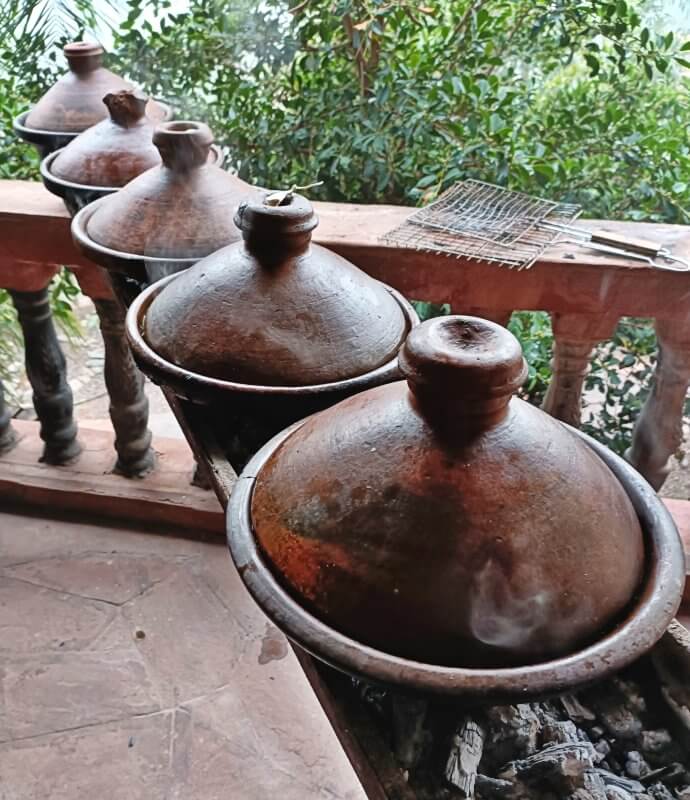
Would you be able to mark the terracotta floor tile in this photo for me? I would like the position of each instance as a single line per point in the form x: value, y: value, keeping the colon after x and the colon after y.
x: 128, y: 760
x: 111, y: 577
x: 35, y: 619
x: 46, y: 694
x: 136, y: 666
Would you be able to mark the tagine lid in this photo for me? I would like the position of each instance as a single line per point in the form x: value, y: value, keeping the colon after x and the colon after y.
x: 276, y: 309
x: 182, y: 208
x: 444, y: 521
x: 75, y: 102
x: 114, y: 151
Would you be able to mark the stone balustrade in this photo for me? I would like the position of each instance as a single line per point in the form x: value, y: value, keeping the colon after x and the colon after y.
x: 585, y: 292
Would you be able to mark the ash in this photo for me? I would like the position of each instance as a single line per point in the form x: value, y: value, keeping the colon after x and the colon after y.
x: 618, y: 740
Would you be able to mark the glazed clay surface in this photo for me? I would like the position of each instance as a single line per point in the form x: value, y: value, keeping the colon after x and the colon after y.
x: 114, y: 151
x: 444, y: 521
x: 275, y: 309
x: 182, y: 208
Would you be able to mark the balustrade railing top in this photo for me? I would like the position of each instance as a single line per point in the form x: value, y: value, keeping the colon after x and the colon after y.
x: 586, y: 293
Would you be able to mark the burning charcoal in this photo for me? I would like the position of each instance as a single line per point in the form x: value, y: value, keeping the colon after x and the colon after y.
x: 409, y: 714
x: 659, y: 747
x: 464, y: 758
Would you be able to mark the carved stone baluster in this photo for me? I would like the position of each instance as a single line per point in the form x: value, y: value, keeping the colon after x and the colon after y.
x: 658, y: 431
x: 575, y: 336
x: 129, y: 406
x: 7, y: 435
x: 46, y: 369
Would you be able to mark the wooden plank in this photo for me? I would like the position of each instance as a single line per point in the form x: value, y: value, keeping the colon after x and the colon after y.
x: 34, y: 227
x: 164, y: 497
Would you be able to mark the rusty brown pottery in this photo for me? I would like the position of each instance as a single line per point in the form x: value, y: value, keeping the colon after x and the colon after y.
x: 171, y: 215
x: 440, y: 534
x: 273, y: 327
x: 74, y: 102
x: 106, y: 156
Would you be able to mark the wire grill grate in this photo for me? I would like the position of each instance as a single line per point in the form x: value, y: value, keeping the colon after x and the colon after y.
x: 480, y: 221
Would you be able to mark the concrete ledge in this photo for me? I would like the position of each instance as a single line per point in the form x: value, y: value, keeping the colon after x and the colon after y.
x: 89, y: 487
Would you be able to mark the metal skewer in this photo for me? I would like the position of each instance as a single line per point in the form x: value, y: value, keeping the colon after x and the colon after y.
x: 624, y: 245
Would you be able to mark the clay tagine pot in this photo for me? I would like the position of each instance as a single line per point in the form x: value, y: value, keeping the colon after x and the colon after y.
x: 271, y: 328
x: 74, y: 102
x: 441, y: 535
x: 170, y: 216
x: 106, y: 156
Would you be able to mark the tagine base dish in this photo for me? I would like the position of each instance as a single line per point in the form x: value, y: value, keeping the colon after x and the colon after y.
x: 643, y: 624
x: 281, y: 405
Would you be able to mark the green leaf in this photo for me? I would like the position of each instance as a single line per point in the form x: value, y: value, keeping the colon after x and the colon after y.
x: 644, y: 36
x: 593, y: 64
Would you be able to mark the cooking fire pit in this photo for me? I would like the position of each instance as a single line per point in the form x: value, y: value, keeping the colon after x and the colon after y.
x: 451, y: 549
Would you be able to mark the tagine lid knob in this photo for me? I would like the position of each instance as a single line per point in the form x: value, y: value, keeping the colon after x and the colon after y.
x: 444, y: 520
x: 462, y: 362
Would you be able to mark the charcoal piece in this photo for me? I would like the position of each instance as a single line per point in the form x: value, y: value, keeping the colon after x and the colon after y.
x: 496, y: 789
x: 559, y: 732
x: 659, y: 792
x: 603, y: 748
x: 620, y: 782
x: 615, y: 793
x: 672, y: 775
x: 614, y: 711
x: 562, y: 767
x: 465, y: 754
x: 513, y: 733
x: 631, y: 692
x: 659, y: 747
x: 409, y: 714
x: 575, y: 710
x: 635, y: 765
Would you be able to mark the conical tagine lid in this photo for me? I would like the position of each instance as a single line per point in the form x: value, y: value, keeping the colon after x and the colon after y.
x: 443, y: 520
x: 114, y: 151
x: 276, y: 309
x: 75, y: 102
x: 183, y: 208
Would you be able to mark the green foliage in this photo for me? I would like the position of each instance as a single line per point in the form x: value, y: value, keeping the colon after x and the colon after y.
x: 533, y: 331
x: 394, y: 101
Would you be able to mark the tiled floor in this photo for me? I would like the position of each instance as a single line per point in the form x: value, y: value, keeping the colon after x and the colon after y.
x: 134, y: 665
